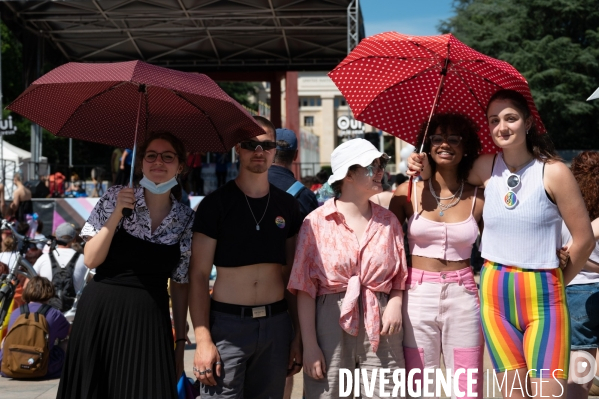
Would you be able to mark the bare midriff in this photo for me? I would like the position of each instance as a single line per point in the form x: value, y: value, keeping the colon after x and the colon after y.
x: 438, y: 265
x: 252, y: 285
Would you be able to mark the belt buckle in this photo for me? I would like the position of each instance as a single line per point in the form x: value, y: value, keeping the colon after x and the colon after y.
x: 260, y: 311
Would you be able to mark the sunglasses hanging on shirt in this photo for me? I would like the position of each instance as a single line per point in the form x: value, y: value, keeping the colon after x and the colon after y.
x: 510, y: 200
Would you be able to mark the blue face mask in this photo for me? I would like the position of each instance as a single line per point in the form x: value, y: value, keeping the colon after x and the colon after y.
x: 160, y: 188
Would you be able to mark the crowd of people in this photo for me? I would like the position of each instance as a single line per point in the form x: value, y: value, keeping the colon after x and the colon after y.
x: 331, y: 285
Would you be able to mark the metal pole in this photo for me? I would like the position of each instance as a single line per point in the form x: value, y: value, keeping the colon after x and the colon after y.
x: 353, y: 25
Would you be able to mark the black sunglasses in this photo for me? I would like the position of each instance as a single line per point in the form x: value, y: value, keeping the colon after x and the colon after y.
x: 452, y: 140
x: 253, y: 145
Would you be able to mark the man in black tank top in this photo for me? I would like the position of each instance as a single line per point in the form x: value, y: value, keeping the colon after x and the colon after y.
x: 247, y: 228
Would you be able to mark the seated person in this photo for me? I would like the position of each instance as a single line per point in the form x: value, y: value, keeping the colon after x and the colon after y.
x: 38, y: 291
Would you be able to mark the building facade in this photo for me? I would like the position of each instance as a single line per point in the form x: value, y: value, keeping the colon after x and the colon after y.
x: 324, y: 113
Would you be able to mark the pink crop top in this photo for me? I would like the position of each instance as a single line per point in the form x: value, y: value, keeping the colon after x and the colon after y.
x: 440, y: 240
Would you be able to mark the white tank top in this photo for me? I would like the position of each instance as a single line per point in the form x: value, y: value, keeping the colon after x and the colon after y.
x: 528, y: 234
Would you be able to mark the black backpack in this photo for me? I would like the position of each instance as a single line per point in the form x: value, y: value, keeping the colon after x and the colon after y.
x: 64, y: 287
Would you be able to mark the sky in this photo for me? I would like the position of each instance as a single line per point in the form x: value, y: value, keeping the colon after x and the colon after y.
x: 414, y: 17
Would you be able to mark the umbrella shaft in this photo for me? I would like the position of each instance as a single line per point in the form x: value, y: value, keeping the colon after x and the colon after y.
x: 432, y: 110
x: 141, y: 96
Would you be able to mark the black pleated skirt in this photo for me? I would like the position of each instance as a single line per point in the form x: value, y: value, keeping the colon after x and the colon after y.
x: 121, y: 346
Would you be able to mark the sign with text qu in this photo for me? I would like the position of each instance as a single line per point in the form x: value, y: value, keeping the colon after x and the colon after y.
x: 6, y: 126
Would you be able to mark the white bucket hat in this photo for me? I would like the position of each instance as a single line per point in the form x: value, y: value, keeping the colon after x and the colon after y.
x: 352, y: 152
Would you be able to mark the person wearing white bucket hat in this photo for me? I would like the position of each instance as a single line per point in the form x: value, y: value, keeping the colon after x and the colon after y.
x: 349, y: 274
x: 352, y: 152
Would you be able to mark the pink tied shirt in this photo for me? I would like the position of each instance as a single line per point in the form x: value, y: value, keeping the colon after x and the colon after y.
x: 329, y: 260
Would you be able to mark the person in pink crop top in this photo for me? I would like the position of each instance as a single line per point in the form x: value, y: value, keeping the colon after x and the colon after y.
x: 349, y: 274
x: 441, y: 306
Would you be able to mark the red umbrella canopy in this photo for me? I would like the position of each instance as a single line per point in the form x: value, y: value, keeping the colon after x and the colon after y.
x: 391, y: 80
x: 100, y: 103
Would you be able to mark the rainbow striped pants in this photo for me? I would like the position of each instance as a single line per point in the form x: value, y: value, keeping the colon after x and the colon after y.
x: 525, y: 319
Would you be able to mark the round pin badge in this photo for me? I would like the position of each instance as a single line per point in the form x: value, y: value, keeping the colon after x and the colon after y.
x: 280, y: 222
x: 510, y: 199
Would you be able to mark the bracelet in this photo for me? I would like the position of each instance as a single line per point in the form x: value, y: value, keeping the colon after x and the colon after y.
x: 180, y: 339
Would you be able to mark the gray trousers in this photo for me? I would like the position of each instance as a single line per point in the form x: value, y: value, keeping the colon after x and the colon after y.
x: 341, y: 350
x: 254, y: 355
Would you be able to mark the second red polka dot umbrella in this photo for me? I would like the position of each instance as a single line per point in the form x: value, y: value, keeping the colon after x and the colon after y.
x: 396, y: 82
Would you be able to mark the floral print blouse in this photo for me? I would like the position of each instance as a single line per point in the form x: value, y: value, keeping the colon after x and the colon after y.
x: 176, y: 226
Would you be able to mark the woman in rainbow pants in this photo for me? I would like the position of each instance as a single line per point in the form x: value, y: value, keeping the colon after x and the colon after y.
x: 523, y: 303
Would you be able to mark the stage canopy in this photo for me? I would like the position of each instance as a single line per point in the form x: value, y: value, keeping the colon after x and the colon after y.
x: 198, y: 35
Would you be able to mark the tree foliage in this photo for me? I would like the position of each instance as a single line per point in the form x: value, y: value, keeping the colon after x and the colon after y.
x: 554, y: 44
x: 242, y: 92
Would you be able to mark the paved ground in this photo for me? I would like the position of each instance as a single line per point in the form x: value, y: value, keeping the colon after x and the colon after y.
x: 12, y: 389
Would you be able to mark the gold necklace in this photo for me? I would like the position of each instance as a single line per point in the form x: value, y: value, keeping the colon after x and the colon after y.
x: 515, y: 168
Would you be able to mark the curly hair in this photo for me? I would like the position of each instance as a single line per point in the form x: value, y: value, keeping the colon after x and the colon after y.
x: 456, y: 124
x: 539, y: 145
x: 585, y: 168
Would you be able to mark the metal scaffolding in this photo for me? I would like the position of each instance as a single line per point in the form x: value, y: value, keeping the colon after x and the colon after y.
x: 195, y: 34
x: 353, y: 25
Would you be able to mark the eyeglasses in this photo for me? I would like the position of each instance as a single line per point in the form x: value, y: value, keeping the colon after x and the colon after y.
x: 252, y: 145
x: 167, y: 156
x: 510, y: 199
x: 452, y: 140
x: 375, y: 167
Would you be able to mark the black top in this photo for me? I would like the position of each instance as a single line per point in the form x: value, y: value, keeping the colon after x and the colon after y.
x: 134, y: 262
x: 283, y: 178
x: 224, y: 215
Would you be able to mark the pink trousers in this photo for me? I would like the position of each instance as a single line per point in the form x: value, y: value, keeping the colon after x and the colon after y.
x: 441, y: 315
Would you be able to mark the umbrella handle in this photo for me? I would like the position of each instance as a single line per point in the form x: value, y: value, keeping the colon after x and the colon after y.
x: 142, y: 89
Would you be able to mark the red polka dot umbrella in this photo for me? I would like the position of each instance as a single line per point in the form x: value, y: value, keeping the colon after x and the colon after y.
x: 396, y: 82
x: 106, y: 103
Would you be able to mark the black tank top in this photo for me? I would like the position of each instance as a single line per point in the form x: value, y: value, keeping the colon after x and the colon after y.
x: 138, y: 263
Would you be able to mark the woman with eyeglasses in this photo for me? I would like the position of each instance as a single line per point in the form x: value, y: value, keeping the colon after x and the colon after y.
x: 523, y: 304
x: 441, y: 306
x: 349, y: 274
x: 121, y: 345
